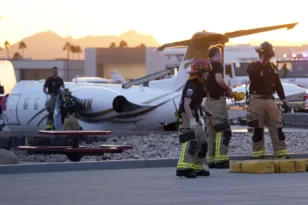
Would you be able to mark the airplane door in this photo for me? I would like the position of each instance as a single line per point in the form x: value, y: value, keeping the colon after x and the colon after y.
x: 11, y: 109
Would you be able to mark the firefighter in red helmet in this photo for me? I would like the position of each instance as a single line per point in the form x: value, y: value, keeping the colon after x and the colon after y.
x: 192, y: 158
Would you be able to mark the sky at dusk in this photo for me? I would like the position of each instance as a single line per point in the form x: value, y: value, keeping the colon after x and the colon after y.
x: 166, y: 20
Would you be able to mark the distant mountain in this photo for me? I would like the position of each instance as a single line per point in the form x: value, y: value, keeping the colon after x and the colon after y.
x: 49, y: 45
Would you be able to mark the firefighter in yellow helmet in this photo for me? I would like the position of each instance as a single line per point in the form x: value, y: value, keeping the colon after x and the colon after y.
x: 191, y: 132
x: 70, y: 107
x: 262, y: 107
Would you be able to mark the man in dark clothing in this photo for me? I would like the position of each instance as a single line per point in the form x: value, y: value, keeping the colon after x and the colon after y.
x: 262, y: 108
x: 192, y: 159
x: 217, y: 126
x: 70, y: 108
x: 51, y: 89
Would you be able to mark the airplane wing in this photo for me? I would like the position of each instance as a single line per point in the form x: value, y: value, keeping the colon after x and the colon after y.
x: 240, y: 33
x: 214, y: 36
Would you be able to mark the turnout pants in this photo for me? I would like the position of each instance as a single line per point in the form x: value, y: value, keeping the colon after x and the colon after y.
x: 193, y: 153
x: 218, y: 130
x: 263, y: 110
x: 71, y: 123
x: 50, y: 106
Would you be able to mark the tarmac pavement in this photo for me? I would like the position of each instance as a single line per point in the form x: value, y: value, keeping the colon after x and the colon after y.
x: 152, y: 186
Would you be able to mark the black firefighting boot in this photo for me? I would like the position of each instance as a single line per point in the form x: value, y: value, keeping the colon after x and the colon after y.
x: 203, y: 173
x: 283, y: 157
x: 261, y: 157
x: 189, y: 173
x: 222, y: 165
x: 211, y: 165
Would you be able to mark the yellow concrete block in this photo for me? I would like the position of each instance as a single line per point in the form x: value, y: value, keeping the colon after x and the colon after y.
x: 300, y: 165
x: 306, y: 166
x: 284, y: 166
x: 235, y: 166
x: 287, y: 164
x: 258, y: 166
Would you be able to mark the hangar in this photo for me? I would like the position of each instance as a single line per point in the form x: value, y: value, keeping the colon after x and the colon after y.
x: 41, y: 69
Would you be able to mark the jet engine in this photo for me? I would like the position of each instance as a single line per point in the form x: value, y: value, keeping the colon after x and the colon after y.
x: 121, y: 104
x: 96, y: 102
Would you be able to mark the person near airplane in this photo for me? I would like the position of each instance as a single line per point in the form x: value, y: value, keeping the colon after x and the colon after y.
x: 264, y: 81
x: 70, y: 108
x: 217, y: 126
x: 192, y: 158
x: 51, y: 89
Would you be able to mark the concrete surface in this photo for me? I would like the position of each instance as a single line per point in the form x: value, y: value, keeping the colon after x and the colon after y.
x: 152, y: 186
x: 106, y: 165
x: 85, y: 166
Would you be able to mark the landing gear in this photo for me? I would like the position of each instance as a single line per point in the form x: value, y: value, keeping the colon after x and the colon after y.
x: 171, y: 127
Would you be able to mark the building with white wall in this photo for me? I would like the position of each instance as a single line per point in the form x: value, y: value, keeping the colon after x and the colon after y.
x: 41, y: 69
x: 130, y: 62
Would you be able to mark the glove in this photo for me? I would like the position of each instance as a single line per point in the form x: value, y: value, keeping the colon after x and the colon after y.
x: 48, y: 97
x: 286, y: 107
x: 238, y: 96
x: 193, y: 124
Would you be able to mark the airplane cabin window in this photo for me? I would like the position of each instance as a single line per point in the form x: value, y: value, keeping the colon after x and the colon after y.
x: 36, y: 104
x: 26, y: 104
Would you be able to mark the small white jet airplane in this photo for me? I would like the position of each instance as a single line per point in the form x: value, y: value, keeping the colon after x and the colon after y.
x: 115, y: 107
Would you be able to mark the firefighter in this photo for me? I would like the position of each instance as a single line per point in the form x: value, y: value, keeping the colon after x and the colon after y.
x: 70, y: 107
x: 262, y: 107
x: 53, y: 85
x: 192, y: 136
x: 217, y: 126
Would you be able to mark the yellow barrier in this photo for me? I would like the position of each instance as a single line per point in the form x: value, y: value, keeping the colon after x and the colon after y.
x: 269, y: 166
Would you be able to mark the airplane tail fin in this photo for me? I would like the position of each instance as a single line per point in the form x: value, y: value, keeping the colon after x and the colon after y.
x: 7, y: 76
x: 182, y: 74
x: 117, y: 77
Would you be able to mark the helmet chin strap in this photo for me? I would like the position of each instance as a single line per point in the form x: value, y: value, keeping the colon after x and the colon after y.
x: 264, y: 59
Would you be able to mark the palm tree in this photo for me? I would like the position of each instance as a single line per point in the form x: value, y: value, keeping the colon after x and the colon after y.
x: 22, y: 46
x: 7, y: 46
x: 123, y: 44
x: 78, y: 51
x: 73, y: 50
x: 17, y: 56
x: 112, y: 45
x: 67, y: 48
